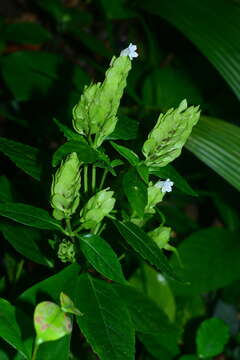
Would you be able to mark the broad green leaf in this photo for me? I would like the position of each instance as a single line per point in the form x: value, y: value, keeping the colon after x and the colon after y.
x: 136, y: 191
x: 50, y: 322
x: 128, y: 154
x: 169, y: 172
x: 148, y: 280
x: 165, y: 141
x: 212, y: 336
x: 143, y: 172
x: 126, y: 129
x: 26, y: 33
x: 217, y: 144
x: 25, y: 240
x: 9, y: 328
x: 211, y: 260
x: 24, y: 156
x: 5, y: 189
x: 106, y: 322
x: 58, y: 349
x: 188, y: 357
x: 196, y: 21
x: 146, y: 247
x: 101, y: 256
x: 165, y: 87
x: 155, y: 348
x: 149, y: 319
x: 29, y: 215
x: 84, y: 151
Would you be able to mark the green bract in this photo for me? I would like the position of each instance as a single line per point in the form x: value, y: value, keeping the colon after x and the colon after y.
x: 65, y: 187
x: 165, y: 141
x: 97, y: 207
x: 155, y: 195
x: 96, y: 111
x: 66, y: 251
x: 161, y: 235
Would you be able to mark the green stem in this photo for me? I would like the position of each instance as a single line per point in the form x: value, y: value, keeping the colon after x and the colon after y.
x: 19, y: 270
x: 93, y: 177
x: 85, y: 178
x: 34, y: 354
x: 103, y: 179
x: 69, y: 227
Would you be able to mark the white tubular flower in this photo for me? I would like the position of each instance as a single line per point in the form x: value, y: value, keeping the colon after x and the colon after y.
x: 130, y: 51
x: 165, y: 186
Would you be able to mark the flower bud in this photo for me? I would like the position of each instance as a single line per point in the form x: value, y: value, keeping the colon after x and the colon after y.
x: 96, y: 111
x: 165, y: 141
x: 65, y: 187
x: 155, y: 195
x: 66, y: 251
x: 97, y: 207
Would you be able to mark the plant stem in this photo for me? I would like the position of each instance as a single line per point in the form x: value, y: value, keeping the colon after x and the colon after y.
x: 34, y: 354
x: 19, y: 270
x: 85, y: 178
x: 69, y: 227
x: 103, y: 179
x: 93, y: 177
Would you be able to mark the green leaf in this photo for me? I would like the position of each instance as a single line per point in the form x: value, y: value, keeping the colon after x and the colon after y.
x: 84, y: 151
x: 29, y: 215
x: 128, y: 154
x: 188, y: 357
x: 5, y: 189
x: 26, y: 33
x: 146, y: 247
x: 9, y: 329
x: 24, y: 156
x: 24, y: 240
x: 106, y: 323
x: 136, y: 191
x: 217, y: 42
x: 212, y: 335
x: 217, y: 143
x: 58, y: 349
x: 169, y: 172
x: 50, y: 322
x: 165, y: 88
x: 101, y: 256
x: 126, y: 129
x: 116, y: 10
x: 149, y: 319
x: 67, y: 132
x: 211, y: 260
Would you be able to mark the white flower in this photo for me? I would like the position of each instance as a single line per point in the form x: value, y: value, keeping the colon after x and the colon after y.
x: 165, y: 186
x: 130, y: 51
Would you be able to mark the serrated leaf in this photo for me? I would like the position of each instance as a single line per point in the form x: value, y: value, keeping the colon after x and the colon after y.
x: 169, y: 172
x: 146, y: 247
x: 29, y: 215
x: 9, y: 328
x: 85, y: 153
x: 24, y: 156
x: 128, y: 154
x: 101, y: 256
x: 212, y: 336
x: 110, y: 331
x: 136, y: 191
x: 217, y: 143
x: 24, y: 240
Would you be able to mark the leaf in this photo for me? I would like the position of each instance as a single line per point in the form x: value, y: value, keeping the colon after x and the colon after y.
x: 211, y: 260
x: 26, y: 33
x: 5, y: 189
x: 128, y: 154
x: 212, y: 336
x: 58, y: 349
x: 24, y: 156
x: 24, y: 240
x: 110, y: 331
x: 136, y: 191
x: 165, y: 87
x: 29, y: 215
x: 169, y: 172
x: 84, y: 151
x: 116, y: 10
x: 101, y: 256
x: 218, y: 43
x: 216, y: 143
x: 9, y: 329
x: 188, y: 357
x: 50, y: 322
x: 126, y: 129
x: 67, y: 132
x: 149, y: 319
x: 146, y: 247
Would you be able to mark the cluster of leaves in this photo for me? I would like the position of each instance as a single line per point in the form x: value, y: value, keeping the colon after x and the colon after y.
x: 132, y: 299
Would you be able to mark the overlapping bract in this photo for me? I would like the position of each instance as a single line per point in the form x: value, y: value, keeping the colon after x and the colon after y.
x: 96, y: 111
x: 165, y: 141
x: 65, y: 187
